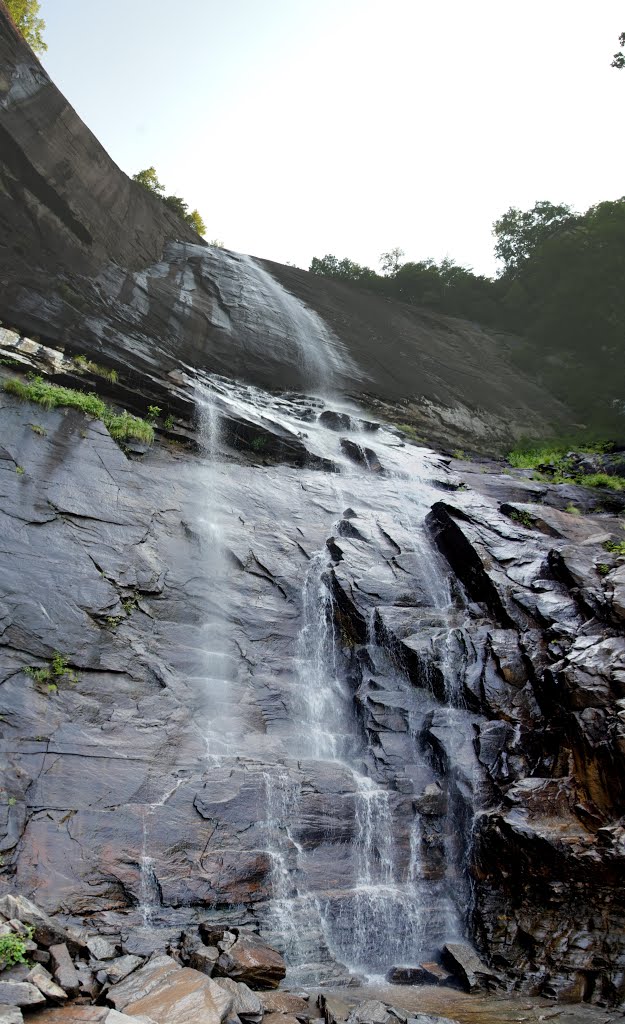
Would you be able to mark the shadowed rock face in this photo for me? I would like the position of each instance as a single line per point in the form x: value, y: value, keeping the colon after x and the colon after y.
x: 92, y: 260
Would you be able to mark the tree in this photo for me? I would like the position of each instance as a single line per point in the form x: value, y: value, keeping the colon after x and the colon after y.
x: 25, y: 14
x: 178, y: 205
x: 196, y: 222
x: 148, y: 179
x: 619, y: 58
x: 519, y: 232
x: 344, y: 270
x: 391, y: 261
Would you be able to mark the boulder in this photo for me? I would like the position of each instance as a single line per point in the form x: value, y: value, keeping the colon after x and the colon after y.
x: 334, y: 1009
x: 101, y: 949
x: 363, y: 456
x: 283, y: 1002
x: 43, y: 980
x: 464, y: 962
x: 424, y: 974
x: 64, y: 971
x: 11, y: 1015
x: 115, y: 1017
x: 335, y: 420
x: 245, y: 1003
x: 251, y: 960
x: 120, y: 968
x: 371, y: 1011
x: 89, y: 986
x: 20, y: 993
x: 171, y: 994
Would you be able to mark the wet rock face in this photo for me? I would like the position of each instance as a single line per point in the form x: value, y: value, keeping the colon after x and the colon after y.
x: 181, y: 776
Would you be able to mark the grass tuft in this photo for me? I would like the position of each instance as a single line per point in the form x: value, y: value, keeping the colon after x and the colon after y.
x: 83, y: 364
x: 121, y: 426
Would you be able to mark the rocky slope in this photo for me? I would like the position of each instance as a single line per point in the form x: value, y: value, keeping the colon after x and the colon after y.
x: 175, y: 769
x: 285, y: 671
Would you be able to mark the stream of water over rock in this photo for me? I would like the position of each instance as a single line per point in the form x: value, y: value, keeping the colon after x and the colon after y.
x: 352, y: 889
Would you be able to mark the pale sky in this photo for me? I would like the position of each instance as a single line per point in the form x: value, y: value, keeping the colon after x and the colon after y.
x: 305, y: 127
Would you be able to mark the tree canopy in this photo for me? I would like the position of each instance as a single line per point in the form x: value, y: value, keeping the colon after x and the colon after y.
x: 619, y: 58
x: 25, y: 14
x: 560, y: 291
x: 148, y: 179
x: 520, y: 232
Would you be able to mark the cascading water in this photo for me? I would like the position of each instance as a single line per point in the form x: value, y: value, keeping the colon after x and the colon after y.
x: 385, y: 905
x: 222, y: 724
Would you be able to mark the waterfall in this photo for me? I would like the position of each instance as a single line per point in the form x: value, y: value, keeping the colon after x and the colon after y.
x: 222, y: 723
x: 386, y: 903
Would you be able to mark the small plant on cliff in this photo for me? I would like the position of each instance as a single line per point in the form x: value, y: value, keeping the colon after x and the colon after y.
x: 13, y: 949
x: 83, y: 364
x: 154, y: 412
x: 53, y: 673
x: 522, y: 517
x: 603, y: 569
x: 121, y: 426
x: 409, y: 430
x: 617, y: 547
x: 25, y: 14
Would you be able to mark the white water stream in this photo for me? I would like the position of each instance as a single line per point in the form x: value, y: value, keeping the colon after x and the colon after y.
x: 392, y: 913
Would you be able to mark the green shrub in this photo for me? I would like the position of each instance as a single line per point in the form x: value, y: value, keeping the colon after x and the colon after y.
x: 124, y: 427
x: 573, y: 510
x: 50, y: 675
x: 523, y: 517
x: 532, y: 458
x: 617, y: 547
x: 615, y: 483
x: 121, y: 426
x: 13, y: 949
